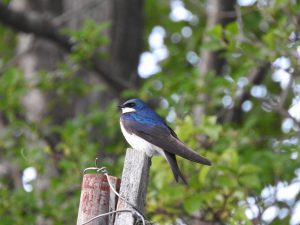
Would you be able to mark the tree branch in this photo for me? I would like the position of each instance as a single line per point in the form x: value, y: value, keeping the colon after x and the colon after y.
x: 115, y: 81
x: 256, y: 77
x: 33, y: 23
x: 41, y: 27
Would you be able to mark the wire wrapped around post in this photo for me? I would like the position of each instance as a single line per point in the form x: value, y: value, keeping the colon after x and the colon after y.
x: 99, y: 193
x: 97, y: 198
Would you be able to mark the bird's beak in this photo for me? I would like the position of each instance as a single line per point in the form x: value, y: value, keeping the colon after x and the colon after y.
x: 120, y: 107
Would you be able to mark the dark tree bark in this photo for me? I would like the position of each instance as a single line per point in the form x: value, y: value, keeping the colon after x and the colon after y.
x: 127, y: 38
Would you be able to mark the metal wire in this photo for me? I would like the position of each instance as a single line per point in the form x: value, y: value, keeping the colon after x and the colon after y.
x: 134, y: 210
x: 107, y: 214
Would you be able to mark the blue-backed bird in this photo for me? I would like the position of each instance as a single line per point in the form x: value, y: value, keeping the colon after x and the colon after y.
x: 145, y: 130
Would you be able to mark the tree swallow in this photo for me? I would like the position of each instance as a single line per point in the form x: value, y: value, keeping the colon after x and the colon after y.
x: 145, y: 130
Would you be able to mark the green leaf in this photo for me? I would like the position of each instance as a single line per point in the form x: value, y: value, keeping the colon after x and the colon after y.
x: 227, y: 181
x: 193, y: 203
x: 230, y: 157
x: 249, y: 169
x: 203, y: 174
x: 232, y: 28
x: 250, y: 181
x: 216, y: 31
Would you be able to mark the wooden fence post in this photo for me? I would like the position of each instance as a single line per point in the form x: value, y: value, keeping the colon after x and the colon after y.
x: 133, y: 185
x: 97, y: 198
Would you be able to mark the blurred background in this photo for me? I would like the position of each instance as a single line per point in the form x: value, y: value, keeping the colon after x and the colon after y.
x: 224, y: 74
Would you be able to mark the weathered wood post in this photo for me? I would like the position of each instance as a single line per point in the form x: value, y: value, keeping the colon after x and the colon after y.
x: 97, y: 198
x: 133, y: 185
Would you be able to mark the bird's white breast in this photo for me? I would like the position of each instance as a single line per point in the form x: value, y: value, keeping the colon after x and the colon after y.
x: 140, y: 144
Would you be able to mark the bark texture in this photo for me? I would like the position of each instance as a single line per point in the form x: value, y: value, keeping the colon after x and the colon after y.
x: 218, y: 12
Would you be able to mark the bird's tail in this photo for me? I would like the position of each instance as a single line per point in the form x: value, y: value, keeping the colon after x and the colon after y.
x: 171, y: 158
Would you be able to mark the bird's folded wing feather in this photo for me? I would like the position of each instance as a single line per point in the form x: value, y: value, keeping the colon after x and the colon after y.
x: 163, y: 137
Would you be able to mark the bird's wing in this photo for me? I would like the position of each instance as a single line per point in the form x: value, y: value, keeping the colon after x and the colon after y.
x: 162, y: 137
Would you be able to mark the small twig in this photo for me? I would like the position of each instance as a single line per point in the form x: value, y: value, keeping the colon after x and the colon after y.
x: 279, y: 107
x: 11, y: 62
x: 285, y: 92
x: 241, y: 35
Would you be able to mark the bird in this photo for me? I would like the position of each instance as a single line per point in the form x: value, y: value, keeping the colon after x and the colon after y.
x: 146, y: 131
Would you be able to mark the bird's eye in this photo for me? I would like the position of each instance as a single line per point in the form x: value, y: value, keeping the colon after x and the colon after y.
x: 130, y: 105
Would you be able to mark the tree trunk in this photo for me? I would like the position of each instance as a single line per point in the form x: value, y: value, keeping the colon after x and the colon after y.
x: 218, y: 12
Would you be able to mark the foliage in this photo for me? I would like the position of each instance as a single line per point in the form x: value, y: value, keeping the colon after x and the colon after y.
x: 247, y: 156
x: 89, y: 38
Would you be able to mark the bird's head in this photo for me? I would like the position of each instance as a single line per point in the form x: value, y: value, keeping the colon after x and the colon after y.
x: 132, y: 105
